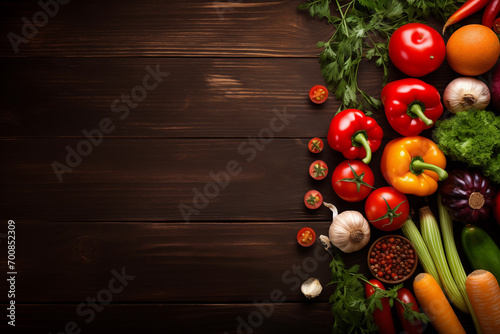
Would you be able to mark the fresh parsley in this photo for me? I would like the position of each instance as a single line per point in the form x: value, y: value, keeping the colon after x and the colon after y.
x: 362, y: 31
x: 351, y: 310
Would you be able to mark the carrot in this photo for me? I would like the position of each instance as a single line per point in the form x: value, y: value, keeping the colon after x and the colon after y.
x: 434, y: 303
x: 484, y: 294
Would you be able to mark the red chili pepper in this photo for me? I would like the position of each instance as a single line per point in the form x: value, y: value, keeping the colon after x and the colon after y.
x: 383, y: 317
x: 410, y: 327
x: 355, y: 135
x: 490, y: 13
x: 467, y: 9
x: 411, y: 105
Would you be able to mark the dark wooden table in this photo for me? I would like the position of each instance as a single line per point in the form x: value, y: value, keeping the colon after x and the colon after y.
x: 154, y: 159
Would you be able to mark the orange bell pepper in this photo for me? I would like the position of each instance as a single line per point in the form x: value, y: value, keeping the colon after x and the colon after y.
x: 413, y: 165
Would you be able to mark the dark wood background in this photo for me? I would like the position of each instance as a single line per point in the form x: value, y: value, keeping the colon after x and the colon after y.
x: 232, y: 66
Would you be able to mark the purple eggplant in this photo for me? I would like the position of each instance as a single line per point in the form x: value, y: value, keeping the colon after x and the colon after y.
x: 468, y: 195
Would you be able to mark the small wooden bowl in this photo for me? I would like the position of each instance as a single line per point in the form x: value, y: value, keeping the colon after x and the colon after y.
x: 405, y: 277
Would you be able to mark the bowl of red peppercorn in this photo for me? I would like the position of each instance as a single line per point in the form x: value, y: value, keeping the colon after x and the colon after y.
x: 392, y: 259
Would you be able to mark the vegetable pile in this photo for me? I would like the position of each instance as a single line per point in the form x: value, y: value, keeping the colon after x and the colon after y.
x: 413, y: 165
x: 362, y: 31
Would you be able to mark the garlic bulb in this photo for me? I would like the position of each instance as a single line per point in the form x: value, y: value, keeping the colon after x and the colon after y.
x: 349, y: 230
x: 466, y: 93
x: 311, y: 288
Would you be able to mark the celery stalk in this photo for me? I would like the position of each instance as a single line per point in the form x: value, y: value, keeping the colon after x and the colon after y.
x: 432, y: 237
x: 456, y: 267
x: 411, y: 233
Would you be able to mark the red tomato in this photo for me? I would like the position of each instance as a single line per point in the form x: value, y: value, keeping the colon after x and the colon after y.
x: 318, y: 94
x: 496, y: 26
x: 318, y: 170
x: 416, y: 49
x: 387, y: 208
x: 383, y: 317
x: 496, y: 209
x: 352, y: 180
x: 306, y: 236
x: 407, y: 297
x: 315, y: 145
x: 313, y: 199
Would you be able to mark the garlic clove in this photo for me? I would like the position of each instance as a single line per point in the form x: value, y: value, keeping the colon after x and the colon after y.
x: 325, y: 242
x: 311, y: 288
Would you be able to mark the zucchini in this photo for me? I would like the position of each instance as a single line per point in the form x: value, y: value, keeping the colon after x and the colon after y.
x: 481, y: 250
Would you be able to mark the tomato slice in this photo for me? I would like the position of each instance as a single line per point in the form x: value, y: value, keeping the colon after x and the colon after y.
x: 315, y: 145
x: 313, y: 199
x: 496, y: 26
x: 318, y: 170
x: 306, y: 236
x: 318, y: 94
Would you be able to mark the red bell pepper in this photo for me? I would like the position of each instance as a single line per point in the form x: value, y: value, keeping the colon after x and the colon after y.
x: 355, y: 135
x: 411, y: 105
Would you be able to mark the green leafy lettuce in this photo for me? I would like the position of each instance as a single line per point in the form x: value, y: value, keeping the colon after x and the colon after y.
x: 472, y: 137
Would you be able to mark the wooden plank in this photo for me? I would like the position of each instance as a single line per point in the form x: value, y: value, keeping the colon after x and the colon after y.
x: 178, y: 318
x: 162, y: 28
x: 166, y: 180
x: 176, y: 262
x: 199, y: 97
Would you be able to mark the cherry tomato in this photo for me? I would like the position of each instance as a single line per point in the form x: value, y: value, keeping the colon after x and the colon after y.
x: 318, y: 170
x: 496, y: 26
x: 315, y: 145
x: 313, y: 199
x: 416, y: 49
x: 387, y: 208
x: 496, y: 209
x: 306, y: 236
x: 318, y: 94
x: 352, y: 180
x: 381, y: 317
x: 410, y: 327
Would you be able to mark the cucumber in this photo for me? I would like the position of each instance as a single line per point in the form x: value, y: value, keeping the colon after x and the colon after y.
x: 481, y: 250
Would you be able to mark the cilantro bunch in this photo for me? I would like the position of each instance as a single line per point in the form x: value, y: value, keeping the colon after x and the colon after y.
x: 362, y: 31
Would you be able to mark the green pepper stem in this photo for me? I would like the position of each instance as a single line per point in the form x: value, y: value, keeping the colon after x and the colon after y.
x: 417, y: 110
x: 361, y: 139
x: 419, y: 165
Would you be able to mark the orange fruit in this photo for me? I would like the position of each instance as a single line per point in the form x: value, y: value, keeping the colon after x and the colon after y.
x: 473, y: 50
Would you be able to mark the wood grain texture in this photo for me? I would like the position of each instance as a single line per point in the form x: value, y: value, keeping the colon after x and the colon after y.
x: 147, y: 180
x: 179, y: 318
x: 199, y: 98
x: 165, y: 28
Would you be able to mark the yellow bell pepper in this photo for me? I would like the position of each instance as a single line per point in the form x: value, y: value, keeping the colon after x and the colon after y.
x: 413, y: 165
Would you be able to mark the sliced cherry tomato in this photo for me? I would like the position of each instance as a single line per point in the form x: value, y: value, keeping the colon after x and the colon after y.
x: 387, y: 208
x: 352, y: 180
x: 313, y: 199
x: 382, y: 317
x: 496, y: 209
x: 318, y: 94
x: 410, y: 327
x: 496, y: 26
x: 306, y: 236
x: 315, y: 145
x: 318, y: 170
x: 416, y: 49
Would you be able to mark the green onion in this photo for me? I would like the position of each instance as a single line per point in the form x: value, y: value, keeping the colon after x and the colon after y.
x: 456, y: 267
x: 411, y: 232
x: 432, y: 238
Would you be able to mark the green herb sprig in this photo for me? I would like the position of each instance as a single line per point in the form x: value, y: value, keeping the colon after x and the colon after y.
x: 362, y: 31
x: 351, y: 310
